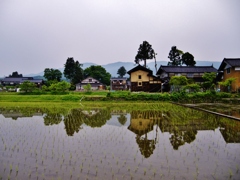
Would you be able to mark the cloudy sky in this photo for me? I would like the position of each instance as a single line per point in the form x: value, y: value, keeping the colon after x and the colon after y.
x: 39, y: 34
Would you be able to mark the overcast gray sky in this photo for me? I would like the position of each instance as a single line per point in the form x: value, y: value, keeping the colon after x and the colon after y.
x: 39, y: 34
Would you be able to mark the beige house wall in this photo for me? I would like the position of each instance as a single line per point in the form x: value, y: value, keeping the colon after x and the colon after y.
x: 135, y: 76
x: 141, y: 124
x: 233, y: 74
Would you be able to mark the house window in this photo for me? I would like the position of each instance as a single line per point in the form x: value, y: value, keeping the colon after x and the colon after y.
x: 139, y: 83
x: 228, y: 70
x: 139, y: 76
x: 89, y: 80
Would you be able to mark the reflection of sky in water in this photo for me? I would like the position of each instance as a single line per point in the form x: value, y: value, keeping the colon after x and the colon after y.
x: 114, y: 120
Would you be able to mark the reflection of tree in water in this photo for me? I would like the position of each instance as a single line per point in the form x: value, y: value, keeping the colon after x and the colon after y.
x: 52, y: 118
x: 92, y: 118
x: 183, y: 125
x: 98, y: 119
x: 73, y: 121
x: 146, y: 146
x: 176, y: 139
x: 189, y: 136
x: 122, y: 119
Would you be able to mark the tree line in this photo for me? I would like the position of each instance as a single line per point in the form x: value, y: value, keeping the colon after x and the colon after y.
x: 74, y: 72
x: 177, y: 57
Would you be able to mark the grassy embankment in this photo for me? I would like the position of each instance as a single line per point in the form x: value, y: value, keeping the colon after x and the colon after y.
x: 117, y: 97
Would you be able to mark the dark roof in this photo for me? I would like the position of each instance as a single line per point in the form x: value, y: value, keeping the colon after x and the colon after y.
x: 186, y: 69
x: 22, y: 79
x: 233, y: 62
x: 118, y: 78
x: 29, y: 78
x: 139, y: 67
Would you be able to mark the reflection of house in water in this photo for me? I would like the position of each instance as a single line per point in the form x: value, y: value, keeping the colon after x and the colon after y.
x: 141, y: 124
x: 90, y: 112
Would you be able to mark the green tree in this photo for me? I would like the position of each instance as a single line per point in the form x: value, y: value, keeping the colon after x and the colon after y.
x: 73, y: 71
x: 15, y: 74
x: 27, y: 86
x: 227, y: 83
x: 44, y: 88
x: 209, y: 81
x: 121, y: 71
x: 62, y: 86
x: 99, y: 73
x: 87, y: 87
x: 175, y: 57
x: 145, y: 51
x: 53, y: 87
x: 178, y: 82
x: 188, y: 59
x: 52, y: 74
x: 192, y: 87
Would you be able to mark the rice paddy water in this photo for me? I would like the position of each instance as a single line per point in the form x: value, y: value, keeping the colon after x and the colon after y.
x: 162, y: 142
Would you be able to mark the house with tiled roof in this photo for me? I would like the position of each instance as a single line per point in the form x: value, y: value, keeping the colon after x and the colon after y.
x: 142, y: 79
x: 193, y: 72
x: 230, y: 68
x: 95, y: 84
x: 13, y: 81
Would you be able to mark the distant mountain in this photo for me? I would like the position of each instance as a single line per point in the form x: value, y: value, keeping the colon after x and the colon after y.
x: 112, y: 68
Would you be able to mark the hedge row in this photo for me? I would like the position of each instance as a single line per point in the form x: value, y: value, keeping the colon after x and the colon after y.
x: 175, y: 97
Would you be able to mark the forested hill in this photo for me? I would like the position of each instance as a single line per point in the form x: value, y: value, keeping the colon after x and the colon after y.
x: 112, y: 68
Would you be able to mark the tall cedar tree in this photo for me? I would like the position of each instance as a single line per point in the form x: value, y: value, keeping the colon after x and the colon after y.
x: 73, y: 71
x: 121, y: 71
x: 175, y: 57
x: 188, y: 59
x: 145, y: 51
x: 52, y: 74
x: 99, y: 73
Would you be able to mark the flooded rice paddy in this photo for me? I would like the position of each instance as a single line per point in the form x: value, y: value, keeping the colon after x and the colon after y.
x: 227, y: 109
x: 102, y: 143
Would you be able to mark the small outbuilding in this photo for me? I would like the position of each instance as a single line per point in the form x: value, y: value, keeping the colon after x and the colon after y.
x: 118, y: 83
